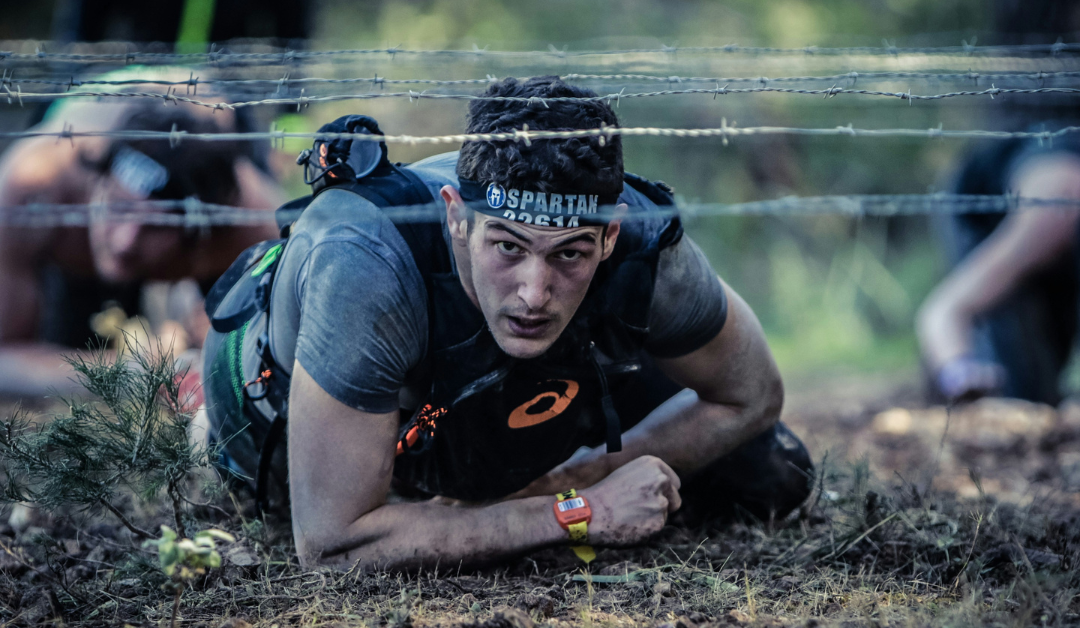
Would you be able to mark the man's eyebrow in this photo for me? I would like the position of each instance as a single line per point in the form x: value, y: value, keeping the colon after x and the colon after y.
x: 501, y: 227
x: 584, y: 237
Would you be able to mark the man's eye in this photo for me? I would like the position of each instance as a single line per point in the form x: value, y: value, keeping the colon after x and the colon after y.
x: 570, y: 255
x: 508, y: 247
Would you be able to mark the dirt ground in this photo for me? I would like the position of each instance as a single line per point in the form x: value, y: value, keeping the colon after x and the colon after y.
x: 923, y: 516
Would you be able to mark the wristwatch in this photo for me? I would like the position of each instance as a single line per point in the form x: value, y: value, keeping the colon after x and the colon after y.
x: 574, y: 514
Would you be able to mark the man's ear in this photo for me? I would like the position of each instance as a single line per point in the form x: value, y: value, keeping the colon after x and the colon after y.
x: 456, y: 214
x: 611, y: 234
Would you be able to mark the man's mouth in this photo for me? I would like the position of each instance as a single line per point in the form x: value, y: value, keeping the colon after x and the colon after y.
x: 528, y: 327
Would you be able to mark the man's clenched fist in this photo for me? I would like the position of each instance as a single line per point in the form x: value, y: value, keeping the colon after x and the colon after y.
x: 633, y: 502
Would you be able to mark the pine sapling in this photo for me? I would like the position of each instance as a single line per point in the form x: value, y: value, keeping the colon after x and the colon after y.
x: 132, y: 437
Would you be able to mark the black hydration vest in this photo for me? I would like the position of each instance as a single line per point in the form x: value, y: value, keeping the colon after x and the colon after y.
x: 489, y: 424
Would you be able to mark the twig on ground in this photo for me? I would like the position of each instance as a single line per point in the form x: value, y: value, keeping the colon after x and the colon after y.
x: 136, y: 530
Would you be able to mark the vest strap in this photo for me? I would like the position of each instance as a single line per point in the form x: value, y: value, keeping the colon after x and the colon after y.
x: 266, y: 454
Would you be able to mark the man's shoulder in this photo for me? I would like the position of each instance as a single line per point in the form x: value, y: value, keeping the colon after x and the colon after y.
x: 343, y: 231
x: 336, y: 212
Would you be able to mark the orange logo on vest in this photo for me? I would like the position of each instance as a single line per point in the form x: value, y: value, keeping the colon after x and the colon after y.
x: 521, y: 417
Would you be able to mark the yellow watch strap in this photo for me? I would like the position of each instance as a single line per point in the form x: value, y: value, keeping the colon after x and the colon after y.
x: 584, y: 552
x: 579, y: 532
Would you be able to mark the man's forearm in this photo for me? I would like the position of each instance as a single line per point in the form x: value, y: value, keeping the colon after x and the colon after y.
x: 424, y: 534
x: 686, y: 432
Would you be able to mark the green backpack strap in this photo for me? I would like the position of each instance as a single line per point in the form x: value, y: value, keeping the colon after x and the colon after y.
x: 244, y: 290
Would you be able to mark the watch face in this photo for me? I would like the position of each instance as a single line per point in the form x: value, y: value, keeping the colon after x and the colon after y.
x: 571, y: 511
x: 570, y: 504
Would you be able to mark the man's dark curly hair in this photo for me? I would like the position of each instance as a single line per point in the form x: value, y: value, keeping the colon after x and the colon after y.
x: 577, y: 166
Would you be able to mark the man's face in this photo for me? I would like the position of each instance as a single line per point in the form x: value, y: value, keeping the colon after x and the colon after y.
x: 125, y: 251
x: 529, y: 280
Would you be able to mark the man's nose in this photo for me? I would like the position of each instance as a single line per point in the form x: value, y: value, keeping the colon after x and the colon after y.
x: 535, y: 286
x: 122, y: 237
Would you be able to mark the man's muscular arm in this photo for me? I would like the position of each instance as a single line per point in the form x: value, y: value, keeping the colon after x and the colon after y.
x: 734, y: 392
x: 340, y: 464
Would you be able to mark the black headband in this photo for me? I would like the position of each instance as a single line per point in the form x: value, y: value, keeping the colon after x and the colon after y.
x: 547, y: 209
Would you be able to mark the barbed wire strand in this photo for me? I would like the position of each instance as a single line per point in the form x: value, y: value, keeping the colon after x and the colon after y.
x: 285, y: 57
x: 852, y: 76
x: 286, y: 82
x: 194, y: 213
x: 725, y: 132
x: 609, y: 98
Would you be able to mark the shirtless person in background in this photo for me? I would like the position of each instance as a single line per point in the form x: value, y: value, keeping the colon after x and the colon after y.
x: 53, y: 279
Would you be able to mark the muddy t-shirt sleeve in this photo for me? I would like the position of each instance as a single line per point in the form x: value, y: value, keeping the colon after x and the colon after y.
x: 689, y: 306
x: 363, y: 318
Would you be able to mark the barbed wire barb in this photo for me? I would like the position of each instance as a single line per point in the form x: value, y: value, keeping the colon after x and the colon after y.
x: 175, y: 135
x: 66, y: 132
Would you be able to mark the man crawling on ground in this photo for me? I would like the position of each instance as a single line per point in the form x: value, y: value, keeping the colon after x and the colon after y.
x: 555, y: 333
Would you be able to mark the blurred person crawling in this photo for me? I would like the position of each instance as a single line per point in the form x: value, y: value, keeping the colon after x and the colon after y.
x: 551, y: 361
x: 54, y: 280
x: 1003, y: 321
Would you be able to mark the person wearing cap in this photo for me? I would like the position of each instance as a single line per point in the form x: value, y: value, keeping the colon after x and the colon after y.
x: 552, y: 363
x: 55, y: 278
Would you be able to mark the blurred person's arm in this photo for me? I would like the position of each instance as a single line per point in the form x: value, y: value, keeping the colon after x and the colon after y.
x: 1025, y: 242
x: 27, y: 367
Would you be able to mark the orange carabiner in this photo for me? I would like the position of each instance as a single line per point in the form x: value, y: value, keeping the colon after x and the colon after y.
x: 425, y: 424
x: 265, y: 375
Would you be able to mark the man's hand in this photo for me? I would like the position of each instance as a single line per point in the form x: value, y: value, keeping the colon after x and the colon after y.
x: 967, y: 379
x: 633, y: 502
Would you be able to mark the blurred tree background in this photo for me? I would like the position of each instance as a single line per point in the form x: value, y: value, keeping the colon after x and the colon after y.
x: 834, y: 293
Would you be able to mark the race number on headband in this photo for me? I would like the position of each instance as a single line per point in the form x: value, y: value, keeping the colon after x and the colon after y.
x: 547, y: 209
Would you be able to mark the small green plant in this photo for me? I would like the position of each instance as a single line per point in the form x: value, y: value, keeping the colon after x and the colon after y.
x: 184, y: 560
x: 131, y: 437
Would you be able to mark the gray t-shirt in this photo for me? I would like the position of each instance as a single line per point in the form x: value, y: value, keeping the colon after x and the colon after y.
x: 351, y: 306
